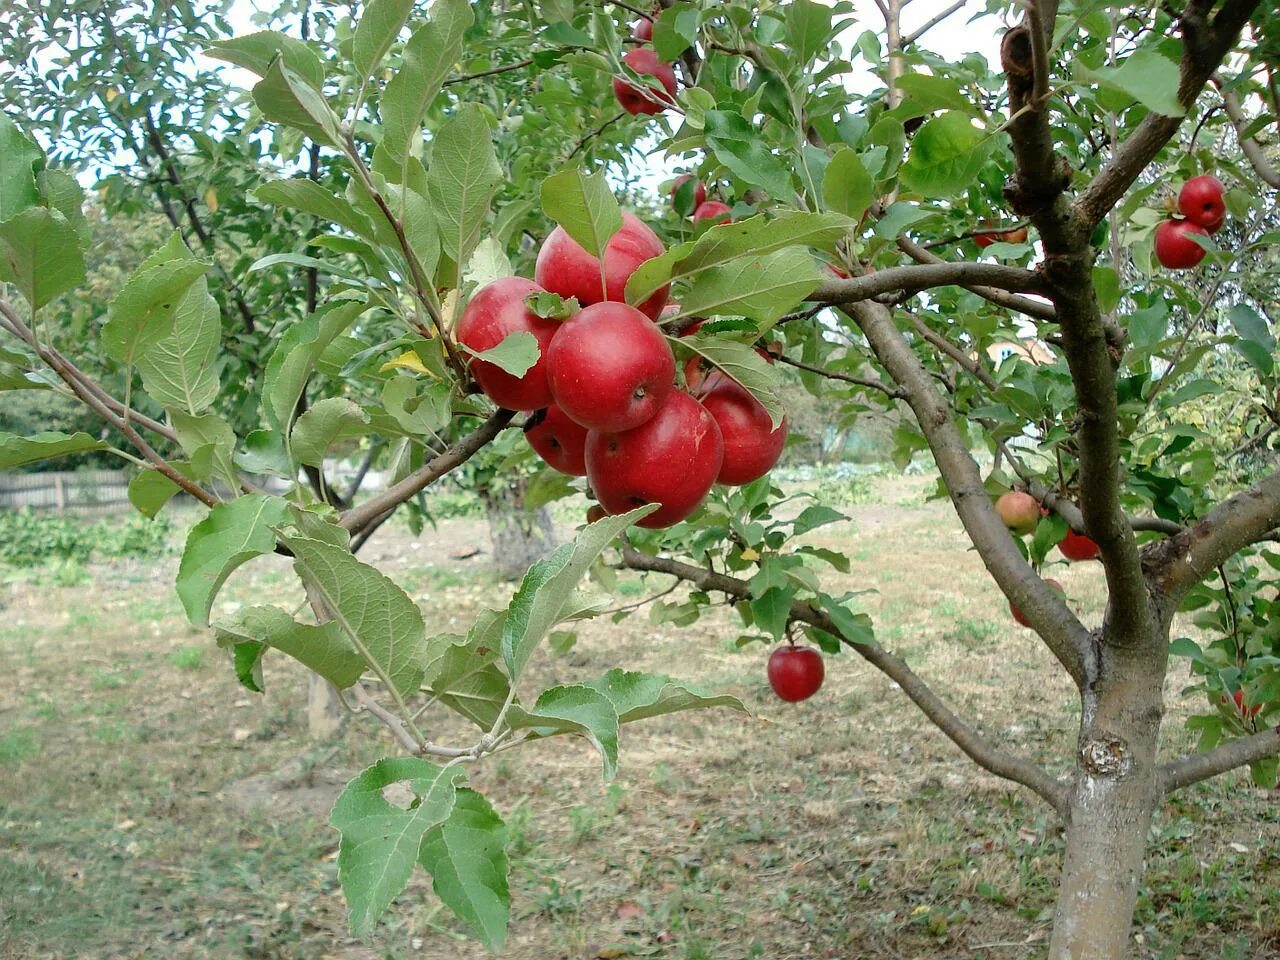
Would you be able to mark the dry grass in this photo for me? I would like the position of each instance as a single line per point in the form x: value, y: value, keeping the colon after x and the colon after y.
x: 153, y: 808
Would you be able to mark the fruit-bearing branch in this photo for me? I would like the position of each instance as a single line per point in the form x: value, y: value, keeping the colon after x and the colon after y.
x: 924, y: 276
x: 1040, y: 309
x: 974, y: 745
x: 1228, y: 756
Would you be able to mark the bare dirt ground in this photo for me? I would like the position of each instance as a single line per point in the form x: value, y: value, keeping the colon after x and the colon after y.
x: 152, y: 808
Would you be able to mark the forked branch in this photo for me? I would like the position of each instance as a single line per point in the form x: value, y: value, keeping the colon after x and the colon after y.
x: 924, y: 276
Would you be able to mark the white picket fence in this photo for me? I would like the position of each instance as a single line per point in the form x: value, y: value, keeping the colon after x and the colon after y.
x: 81, y: 491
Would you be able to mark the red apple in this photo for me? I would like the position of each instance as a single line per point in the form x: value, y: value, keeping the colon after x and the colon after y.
x: 1076, y: 547
x: 1200, y: 201
x: 699, y: 375
x: 699, y: 191
x: 559, y: 441
x: 643, y: 29
x: 609, y: 367
x: 1018, y: 235
x: 671, y: 460
x: 795, y: 673
x: 564, y: 267
x: 1247, y: 711
x: 1019, y: 511
x: 636, y: 98
x: 495, y: 311
x: 1174, y: 248
x: 714, y: 211
x: 751, y: 444
x: 1017, y: 614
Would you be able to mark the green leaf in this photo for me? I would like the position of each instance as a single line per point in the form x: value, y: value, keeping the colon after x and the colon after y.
x: 898, y: 218
x: 515, y: 353
x: 576, y: 709
x: 847, y: 186
x: 927, y: 93
x: 285, y: 97
x: 464, y: 676
x: 771, y: 611
x: 19, y: 159
x: 296, y: 355
x: 1107, y: 282
x: 142, y: 313
x: 761, y: 288
x: 727, y: 242
x: 180, y: 370
x: 489, y: 263
x: 815, y: 516
x: 740, y: 147
x: 150, y: 489
x: 380, y: 841
x: 325, y: 423
x: 1147, y: 76
x: 463, y: 177
x: 209, y: 443
x: 467, y: 859
x: 246, y: 658
x: 324, y: 649
x: 421, y: 408
x: 15, y: 451
x: 308, y: 196
x: 429, y: 55
x: 743, y: 364
x: 62, y: 193
x: 1257, y: 345
x: 946, y: 155
x: 381, y: 620
x: 675, y: 31
x: 549, y: 584
x: 257, y: 51
x: 379, y: 25
x: 584, y: 205
x: 855, y: 627
x: 40, y: 255
x: 233, y: 533
x: 808, y: 29
x: 639, y: 696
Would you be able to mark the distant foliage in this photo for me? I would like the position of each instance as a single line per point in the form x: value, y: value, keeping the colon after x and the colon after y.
x: 29, y: 538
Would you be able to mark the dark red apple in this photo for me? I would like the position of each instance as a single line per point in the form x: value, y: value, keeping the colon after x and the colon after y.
x: 1174, y: 247
x: 795, y: 673
x: 671, y: 460
x: 712, y: 211
x: 564, y: 267
x: 1019, y: 511
x: 1200, y: 201
x: 751, y: 444
x: 495, y: 311
x: 1245, y: 710
x: 1077, y: 548
x: 699, y: 190
x: 595, y: 512
x: 1017, y: 614
x: 643, y: 29
x: 558, y: 441
x: 609, y: 367
x: 636, y: 98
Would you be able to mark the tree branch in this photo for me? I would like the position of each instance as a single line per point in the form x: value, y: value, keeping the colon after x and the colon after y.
x: 1001, y: 298
x: 916, y: 34
x: 978, y: 749
x: 1228, y: 756
x: 358, y: 517
x: 1263, y: 167
x: 923, y: 276
x: 868, y: 382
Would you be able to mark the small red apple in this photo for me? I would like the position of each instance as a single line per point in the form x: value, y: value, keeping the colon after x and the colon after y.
x: 1017, y: 235
x: 495, y: 311
x: 609, y: 367
x: 751, y: 444
x: 699, y: 374
x: 637, y: 98
x: 1174, y: 248
x: 795, y: 673
x: 671, y: 460
x: 1247, y: 711
x: 1017, y: 614
x: 643, y: 29
x: 1077, y: 548
x: 558, y: 441
x: 699, y: 191
x: 713, y: 211
x: 1019, y: 511
x: 564, y: 267
x: 1200, y: 201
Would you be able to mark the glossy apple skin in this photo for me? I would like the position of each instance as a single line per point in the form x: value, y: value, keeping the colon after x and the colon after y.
x: 751, y: 445
x: 494, y: 311
x: 1201, y: 201
x: 1017, y: 614
x: 672, y: 460
x: 649, y: 99
x: 1020, y: 512
x: 713, y: 211
x: 1077, y: 548
x: 560, y: 442
x: 610, y: 368
x: 795, y: 673
x: 1174, y: 249
x: 643, y: 29
x: 699, y: 191
x: 564, y: 267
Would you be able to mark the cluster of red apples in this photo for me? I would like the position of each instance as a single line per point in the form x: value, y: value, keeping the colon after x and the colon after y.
x: 1204, y: 211
x: 649, y: 98
x: 603, y: 392
x: 1021, y: 513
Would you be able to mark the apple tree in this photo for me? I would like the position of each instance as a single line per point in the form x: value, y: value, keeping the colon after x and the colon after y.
x: 1103, y: 201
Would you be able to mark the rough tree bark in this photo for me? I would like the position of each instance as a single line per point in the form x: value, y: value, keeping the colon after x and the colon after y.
x: 520, y: 536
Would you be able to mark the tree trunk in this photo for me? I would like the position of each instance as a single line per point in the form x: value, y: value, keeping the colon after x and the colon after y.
x: 520, y: 536
x: 1115, y: 796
